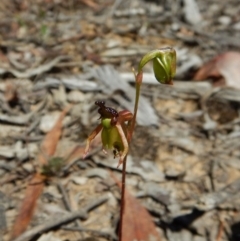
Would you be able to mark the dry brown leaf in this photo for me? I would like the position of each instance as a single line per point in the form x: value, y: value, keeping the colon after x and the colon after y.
x: 26, y: 211
x: 35, y: 186
x: 49, y: 144
x: 226, y: 65
x: 137, y: 222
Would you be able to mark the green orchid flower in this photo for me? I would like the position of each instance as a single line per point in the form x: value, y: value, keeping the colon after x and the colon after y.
x: 114, y: 131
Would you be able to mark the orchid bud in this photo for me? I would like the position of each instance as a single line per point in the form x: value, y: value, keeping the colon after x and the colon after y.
x: 164, y: 64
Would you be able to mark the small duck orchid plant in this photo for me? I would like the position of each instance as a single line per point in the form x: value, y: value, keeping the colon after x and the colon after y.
x: 117, y: 127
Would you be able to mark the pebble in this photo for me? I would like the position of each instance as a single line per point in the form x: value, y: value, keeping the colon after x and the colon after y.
x: 175, y: 27
x: 224, y: 20
x: 7, y: 152
x: 75, y: 96
x: 20, y: 152
x: 191, y: 12
x: 48, y: 121
x: 28, y: 167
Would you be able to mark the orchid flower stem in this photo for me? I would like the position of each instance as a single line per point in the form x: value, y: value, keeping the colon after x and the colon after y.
x: 138, y: 79
x: 122, y: 199
x: 138, y: 86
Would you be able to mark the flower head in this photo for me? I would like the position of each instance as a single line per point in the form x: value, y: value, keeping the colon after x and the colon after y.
x: 164, y: 64
x: 111, y: 138
x: 114, y: 130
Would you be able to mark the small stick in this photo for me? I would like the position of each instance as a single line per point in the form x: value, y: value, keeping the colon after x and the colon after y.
x: 110, y: 234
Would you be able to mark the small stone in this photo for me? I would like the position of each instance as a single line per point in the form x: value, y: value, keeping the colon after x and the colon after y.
x: 224, y: 20
x: 28, y: 167
x: 48, y: 121
x: 191, y: 12
x: 112, y: 43
x: 20, y: 152
x: 175, y: 27
x: 6, y: 151
x: 75, y: 96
